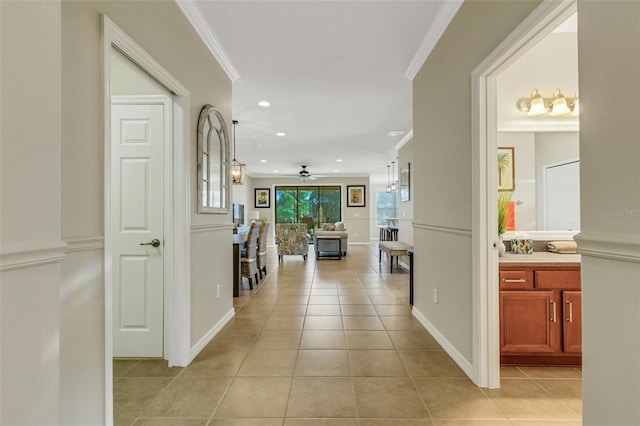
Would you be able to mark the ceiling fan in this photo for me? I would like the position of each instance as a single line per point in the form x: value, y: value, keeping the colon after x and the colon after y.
x: 305, y: 174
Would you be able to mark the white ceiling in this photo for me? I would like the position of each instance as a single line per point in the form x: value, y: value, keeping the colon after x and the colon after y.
x: 334, y: 72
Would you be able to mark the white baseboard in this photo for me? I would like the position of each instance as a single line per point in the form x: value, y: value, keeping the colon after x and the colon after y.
x: 462, y: 362
x: 199, y: 346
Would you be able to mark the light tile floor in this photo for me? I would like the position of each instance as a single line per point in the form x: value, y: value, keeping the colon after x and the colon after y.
x: 333, y: 342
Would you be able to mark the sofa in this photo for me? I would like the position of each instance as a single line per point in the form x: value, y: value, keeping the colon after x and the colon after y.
x: 334, y: 229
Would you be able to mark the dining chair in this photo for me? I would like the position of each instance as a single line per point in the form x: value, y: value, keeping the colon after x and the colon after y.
x: 249, y: 263
x: 262, y: 249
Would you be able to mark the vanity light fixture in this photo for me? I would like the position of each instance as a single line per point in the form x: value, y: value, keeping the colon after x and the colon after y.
x: 391, y: 182
x: 237, y: 168
x: 558, y: 104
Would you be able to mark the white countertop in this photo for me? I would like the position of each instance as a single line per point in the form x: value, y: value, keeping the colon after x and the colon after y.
x: 540, y: 258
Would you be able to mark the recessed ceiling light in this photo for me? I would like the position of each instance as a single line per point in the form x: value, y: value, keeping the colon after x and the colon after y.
x: 339, y: 160
x: 281, y: 134
x: 396, y: 133
x: 336, y: 171
x: 264, y: 103
x: 275, y: 171
x: 263, y: 161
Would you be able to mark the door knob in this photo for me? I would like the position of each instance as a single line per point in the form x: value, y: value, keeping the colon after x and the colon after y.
x: 154, y: 243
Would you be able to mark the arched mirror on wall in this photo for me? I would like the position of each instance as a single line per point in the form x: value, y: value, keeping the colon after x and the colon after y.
x: 213, y: 162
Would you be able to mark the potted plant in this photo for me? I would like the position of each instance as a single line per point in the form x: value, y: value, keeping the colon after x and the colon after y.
x: 504, y: 198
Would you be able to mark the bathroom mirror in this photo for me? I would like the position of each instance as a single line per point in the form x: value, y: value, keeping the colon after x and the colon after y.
x: 213, y: 162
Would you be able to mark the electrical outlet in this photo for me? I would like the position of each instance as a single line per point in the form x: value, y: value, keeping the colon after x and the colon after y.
x: 218, y: 291
x: 435, y: 296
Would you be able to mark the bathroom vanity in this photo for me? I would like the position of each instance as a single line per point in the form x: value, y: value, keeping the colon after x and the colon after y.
x: 540, y: 309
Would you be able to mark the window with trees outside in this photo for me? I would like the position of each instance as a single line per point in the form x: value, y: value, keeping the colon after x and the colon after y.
x: 296, y: 204
x: 386, y: 206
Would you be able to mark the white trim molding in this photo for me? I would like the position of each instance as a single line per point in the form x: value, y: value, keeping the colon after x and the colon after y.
x: 84, y: 244
x: 533, y: 127
x: 622, y: 247
x: 209, y: 335
x: 444, y: 229
x: 176, y: 206
x: 21, y: 256
x: 404, y: 140
x: 442, y: 20
x: 199, y: 23
x: 462, y: 362
x: 201, y: 229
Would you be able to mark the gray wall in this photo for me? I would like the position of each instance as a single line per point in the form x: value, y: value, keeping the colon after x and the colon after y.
x: 31, y: 244
x: 52, y: 298
x: 442, y: 156
x: 609, y: 33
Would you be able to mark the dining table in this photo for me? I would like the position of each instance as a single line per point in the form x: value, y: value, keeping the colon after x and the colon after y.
x: 239, y: 241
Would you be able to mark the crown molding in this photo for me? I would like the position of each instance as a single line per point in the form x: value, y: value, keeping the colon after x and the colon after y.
x: 195, y: 17
x: 407, y: 137
x: 534, y: 127
x: 440, y: 23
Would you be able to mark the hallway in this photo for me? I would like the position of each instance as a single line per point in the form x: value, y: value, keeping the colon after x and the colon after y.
x: 333, y: 342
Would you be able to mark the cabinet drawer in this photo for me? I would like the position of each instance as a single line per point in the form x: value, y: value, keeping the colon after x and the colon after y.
x: 562, y: 280
x: 516, y: 280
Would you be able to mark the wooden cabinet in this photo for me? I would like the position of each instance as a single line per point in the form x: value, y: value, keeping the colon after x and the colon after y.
x: 572, y: 321
x: 540, y: 315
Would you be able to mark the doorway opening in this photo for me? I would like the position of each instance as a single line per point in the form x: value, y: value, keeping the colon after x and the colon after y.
x: 174, y: 200
x: 486, y: 341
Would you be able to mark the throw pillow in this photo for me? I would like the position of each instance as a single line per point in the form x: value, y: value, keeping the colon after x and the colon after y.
x: 339, y: 226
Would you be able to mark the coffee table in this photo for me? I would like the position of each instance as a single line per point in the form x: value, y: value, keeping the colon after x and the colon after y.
x: 328, y: 244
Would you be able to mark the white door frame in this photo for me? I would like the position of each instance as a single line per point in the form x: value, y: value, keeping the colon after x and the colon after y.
x: 176, y: 207
x: 484, y: 100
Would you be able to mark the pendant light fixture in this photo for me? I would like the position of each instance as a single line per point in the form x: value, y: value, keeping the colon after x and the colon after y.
x: 388, y: 180
x: 394, y: 184
x: 237, y: 168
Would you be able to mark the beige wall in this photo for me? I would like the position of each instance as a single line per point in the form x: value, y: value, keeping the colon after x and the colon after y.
x: 442, y: 153
x: 609, y: 33
x: 30, y: 213
x: 356, y: 219
x: 52, y: 190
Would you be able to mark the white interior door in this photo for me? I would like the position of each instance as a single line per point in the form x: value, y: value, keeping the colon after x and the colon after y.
x: 562, y: 196
x: 138, y: 138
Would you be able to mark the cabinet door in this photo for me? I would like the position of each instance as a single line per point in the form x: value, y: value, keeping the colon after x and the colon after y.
x: 529, y: 322
x: 572, y: 307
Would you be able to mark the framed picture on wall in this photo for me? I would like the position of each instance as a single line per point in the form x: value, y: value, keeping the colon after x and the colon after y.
x: 262, y: 198
x: 356, y: 196
x: 506, y: 169
x: 405, y: 183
